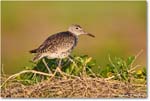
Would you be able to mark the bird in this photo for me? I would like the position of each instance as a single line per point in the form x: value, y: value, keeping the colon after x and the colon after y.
x: 59, y: 45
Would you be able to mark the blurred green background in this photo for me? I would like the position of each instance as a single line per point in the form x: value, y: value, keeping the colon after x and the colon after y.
x: 120, y: 29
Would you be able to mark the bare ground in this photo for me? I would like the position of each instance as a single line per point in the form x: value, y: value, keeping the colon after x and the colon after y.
x: 75, y: 88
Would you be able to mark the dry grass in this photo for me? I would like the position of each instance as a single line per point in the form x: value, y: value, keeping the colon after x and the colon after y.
x: 74, y: 88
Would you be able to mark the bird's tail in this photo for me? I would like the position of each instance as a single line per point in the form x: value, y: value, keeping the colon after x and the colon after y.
x: 33, y: 51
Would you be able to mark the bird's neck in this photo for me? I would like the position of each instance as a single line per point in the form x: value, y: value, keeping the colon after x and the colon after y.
x: 73, y: 34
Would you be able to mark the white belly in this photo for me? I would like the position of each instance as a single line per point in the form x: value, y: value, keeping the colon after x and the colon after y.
x: 56, y: 55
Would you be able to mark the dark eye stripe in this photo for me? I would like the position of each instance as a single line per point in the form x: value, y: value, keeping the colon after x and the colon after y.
x: 78, y: 26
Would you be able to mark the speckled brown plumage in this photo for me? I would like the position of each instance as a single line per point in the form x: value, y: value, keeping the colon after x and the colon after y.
x: 59, y: 45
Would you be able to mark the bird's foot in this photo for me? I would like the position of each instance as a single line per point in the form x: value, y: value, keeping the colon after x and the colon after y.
x: 61, y: 73
x: 58, y: 71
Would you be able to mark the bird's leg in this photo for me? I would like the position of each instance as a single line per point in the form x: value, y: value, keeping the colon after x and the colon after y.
x: 46, y: 66
x: 59, y: 63
x: 59, y: 67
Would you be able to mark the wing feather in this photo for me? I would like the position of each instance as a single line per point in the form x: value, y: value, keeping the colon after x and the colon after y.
x: 61, y: 42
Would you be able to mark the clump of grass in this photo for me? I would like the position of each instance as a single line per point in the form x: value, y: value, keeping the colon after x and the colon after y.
x: 123, y: 69
x: 82, y: 66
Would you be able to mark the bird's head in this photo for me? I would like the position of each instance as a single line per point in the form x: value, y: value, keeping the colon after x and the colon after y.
x: 78, y: 30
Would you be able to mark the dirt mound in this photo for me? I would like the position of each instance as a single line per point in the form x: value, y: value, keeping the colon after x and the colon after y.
x: 75, y: 88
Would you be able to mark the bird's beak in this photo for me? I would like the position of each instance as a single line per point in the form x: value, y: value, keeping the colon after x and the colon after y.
x: 89, y: 34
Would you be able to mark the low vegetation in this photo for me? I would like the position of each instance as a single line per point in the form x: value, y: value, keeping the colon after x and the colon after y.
x: 79, y: 79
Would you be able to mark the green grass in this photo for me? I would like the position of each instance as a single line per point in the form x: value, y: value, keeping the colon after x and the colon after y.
x: 118, y: 68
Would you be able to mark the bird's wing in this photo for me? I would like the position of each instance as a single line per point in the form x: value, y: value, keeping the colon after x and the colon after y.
x: 61, y: 42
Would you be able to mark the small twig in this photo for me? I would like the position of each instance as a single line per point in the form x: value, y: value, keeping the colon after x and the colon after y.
x: 2, y: 69
x: 73, y: 62
x: 84, y: 66
x: 54, y: 73
x: 72, y: 76
x: 111, y: 77
x: 110, y: 60
x: 63, y: 73
x: 119, y: 74
x: 92, y: 72
x: 134, y: 68
x: 131, y: 65
x: 22, y: 72
x: 138, y: 54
